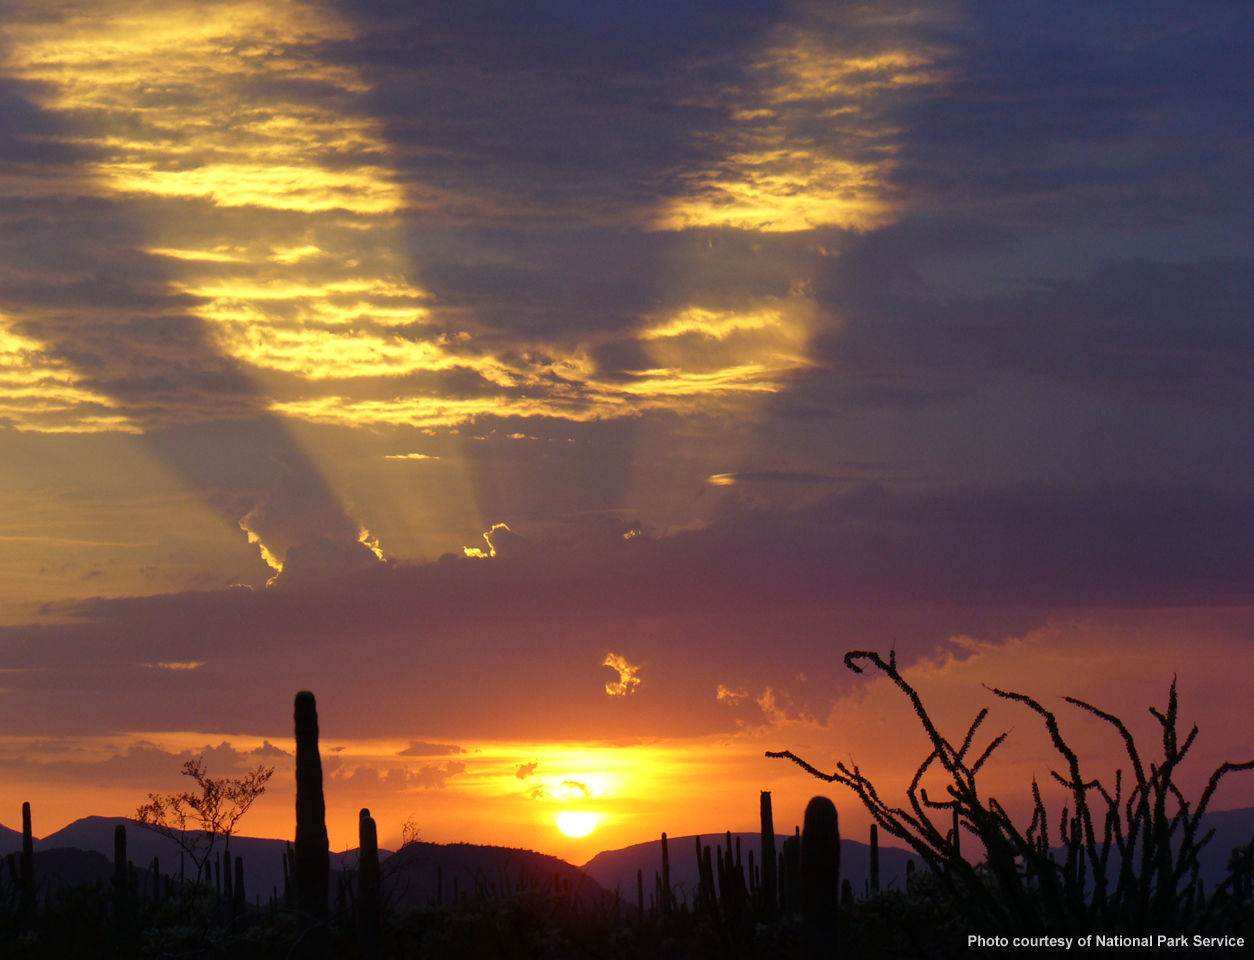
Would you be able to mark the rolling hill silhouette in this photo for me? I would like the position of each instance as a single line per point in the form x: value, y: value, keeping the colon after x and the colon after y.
x: 82, y: 852
x: 422, y: 873
x: 616, y: 869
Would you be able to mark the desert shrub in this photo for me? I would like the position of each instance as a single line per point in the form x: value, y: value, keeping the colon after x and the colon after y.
x: 1124, y: 858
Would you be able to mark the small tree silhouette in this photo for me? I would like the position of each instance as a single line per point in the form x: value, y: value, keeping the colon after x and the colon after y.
x: 1127, y: 863
x: 194, y: 819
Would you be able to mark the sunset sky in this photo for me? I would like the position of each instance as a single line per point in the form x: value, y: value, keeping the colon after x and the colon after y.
x: 559, y: 390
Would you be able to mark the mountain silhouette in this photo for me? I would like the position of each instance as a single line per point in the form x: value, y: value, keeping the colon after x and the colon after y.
x: 10, y: 840
x: 60, y: 869
x: 616, y: 869
x: 423, y: 873
x: 263, y: 858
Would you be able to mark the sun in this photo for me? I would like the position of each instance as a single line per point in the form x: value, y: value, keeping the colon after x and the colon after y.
x: 576, y: 823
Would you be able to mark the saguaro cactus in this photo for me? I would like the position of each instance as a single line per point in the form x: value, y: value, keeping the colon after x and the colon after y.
x: 312, y: 850
x: 121, y: 882
x: 875, y: 858
x: 789, y: 874
x: 666, y: 876
x: 820, y: 878
x: 769, y: 884
x: 239, y: 902
x: 26, y: 906
x: 369, y: 900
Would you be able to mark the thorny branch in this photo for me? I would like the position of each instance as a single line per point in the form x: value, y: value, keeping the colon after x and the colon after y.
x: 1126, y: 864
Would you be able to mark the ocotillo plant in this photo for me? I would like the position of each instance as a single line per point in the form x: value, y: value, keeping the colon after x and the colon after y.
x: 369, y: 901
x: 769, y: 887
x: 312, y: 869
x: 26, y: 905
x: 1131, y: 863
x: 820, y: 878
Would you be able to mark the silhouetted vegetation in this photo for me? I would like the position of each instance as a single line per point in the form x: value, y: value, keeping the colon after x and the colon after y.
x: 1125, y: 862
x: 196, y: 819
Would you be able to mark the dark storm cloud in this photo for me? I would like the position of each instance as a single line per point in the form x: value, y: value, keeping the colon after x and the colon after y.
x: 76, y: 281
x: 1132, y: 328
x: 536, y: 147
x: 537, y: 143
x: 29, y: 135
x: 552, y: 101
x: 1097, y: 109
x: 1040, y: 121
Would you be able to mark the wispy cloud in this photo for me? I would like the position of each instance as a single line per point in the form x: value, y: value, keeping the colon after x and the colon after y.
x: 420, y: 748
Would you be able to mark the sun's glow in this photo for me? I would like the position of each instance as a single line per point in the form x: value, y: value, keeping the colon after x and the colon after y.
x: 576, y: 823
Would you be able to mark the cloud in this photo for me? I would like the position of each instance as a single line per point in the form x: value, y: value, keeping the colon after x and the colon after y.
x: 772, y: 476
x: 1106, y: 118
x: 420, y: 748
x: 268, y: 749
x: 854, y: 569
x: 627, y: 680
x: 775, y: 710
x: 303, y: 532
x: 526, y: 770
x: 431, y: 776
x: 575, y: 787
x: 788, y: 150
x: 1121, y: 328
x: 142, y: 764
x: 733, y: 698
x: 322, y: 560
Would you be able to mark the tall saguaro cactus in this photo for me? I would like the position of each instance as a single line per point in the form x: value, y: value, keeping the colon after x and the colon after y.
x: 121, y: 883
x: 875, y: 858
x: 820, y: 878
x: 312, y: 850
x: 769, y: 887
x: 369, y: 899
x: 666, y: 876
x: 26, y: 906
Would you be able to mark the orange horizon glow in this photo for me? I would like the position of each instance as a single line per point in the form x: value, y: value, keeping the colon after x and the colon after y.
x: 512, y: 792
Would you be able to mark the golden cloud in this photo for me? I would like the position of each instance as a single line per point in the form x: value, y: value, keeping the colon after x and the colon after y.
x: 774, y: 174
x: 627, y: 680
x: 297, y: 277
x: 39, y: 392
